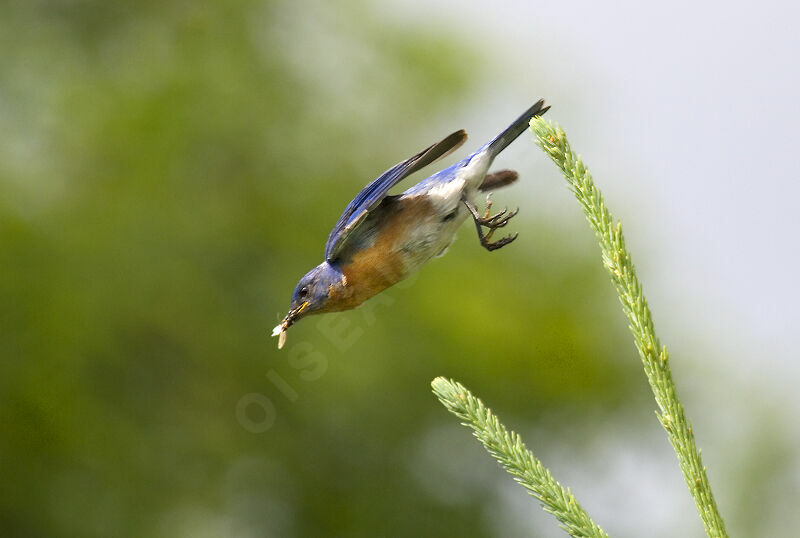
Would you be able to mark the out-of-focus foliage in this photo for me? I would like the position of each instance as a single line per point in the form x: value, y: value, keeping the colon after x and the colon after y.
x: 168, y: 170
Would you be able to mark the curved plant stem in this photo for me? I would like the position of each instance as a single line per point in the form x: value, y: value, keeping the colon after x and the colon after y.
x: 508, y: 449
x: 617, y: 261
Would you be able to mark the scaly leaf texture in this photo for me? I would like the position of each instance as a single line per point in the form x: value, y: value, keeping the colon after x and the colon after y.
x: 509, y: 450
x: 655, y: 358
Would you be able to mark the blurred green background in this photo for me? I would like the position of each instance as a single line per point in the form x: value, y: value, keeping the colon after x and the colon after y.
x: 168, y: 170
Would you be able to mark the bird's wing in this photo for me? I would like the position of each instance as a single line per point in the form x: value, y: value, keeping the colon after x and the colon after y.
x: 372, y: 194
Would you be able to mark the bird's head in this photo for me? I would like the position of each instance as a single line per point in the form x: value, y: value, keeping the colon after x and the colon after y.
x: 311, y: 296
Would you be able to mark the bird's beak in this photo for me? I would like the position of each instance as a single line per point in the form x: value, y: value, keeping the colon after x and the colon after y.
x: 288, y: 321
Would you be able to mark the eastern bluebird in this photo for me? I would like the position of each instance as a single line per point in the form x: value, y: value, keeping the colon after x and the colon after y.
x: 380, y: 239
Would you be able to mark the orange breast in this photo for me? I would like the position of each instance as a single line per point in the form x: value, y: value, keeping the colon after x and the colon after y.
x: 371, y: 270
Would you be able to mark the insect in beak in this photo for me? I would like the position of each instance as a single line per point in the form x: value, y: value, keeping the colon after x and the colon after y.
x: 280, y: 329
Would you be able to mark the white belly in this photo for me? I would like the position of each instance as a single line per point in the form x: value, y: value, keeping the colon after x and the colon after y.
x: 434, y: 233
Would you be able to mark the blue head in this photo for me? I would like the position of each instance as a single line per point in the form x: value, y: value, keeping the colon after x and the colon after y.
x: 315, y: 293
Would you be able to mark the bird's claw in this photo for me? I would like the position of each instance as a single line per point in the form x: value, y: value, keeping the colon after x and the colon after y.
x: 497, y: 221
x: 500, y: 243
x: 492, y: 222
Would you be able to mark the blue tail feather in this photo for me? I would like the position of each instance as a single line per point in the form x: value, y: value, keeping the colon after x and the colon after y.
x: 513, y: 131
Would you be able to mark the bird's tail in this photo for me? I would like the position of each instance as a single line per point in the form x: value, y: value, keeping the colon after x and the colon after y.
x: 511, y: 133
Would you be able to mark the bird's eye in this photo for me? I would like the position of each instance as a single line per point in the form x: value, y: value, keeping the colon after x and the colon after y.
x: 303, y: 292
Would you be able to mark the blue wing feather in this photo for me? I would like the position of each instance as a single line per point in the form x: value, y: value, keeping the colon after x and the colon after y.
x: 372, y: 194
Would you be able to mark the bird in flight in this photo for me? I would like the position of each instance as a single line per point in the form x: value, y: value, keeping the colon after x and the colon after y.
x: 381, y: 239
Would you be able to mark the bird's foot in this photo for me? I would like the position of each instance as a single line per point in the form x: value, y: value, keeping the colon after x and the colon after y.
x: 495, y: 221
x: 492, y: 222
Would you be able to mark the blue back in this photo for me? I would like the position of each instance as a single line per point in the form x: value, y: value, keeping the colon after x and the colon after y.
x: 372, y: 194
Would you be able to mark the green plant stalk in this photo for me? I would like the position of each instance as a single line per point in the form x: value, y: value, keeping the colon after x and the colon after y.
x: 617, y: 260
x: 509, y: 450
